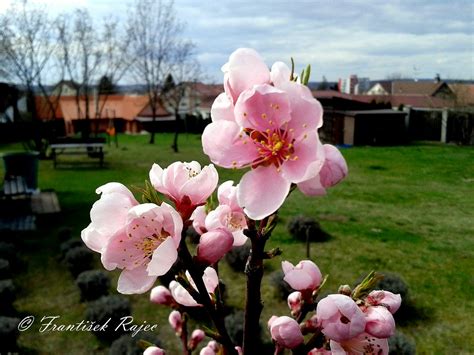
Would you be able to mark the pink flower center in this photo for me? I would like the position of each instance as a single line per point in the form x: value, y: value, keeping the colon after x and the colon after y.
x: 273, y: 147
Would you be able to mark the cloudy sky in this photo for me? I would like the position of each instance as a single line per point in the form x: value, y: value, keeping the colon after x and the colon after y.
x: 369, y: 38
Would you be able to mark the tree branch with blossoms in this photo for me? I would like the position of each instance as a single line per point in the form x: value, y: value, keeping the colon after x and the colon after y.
x: 267, y: 121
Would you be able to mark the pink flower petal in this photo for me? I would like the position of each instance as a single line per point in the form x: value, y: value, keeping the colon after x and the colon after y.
x: 298, y: 280
x: 201, y: 186
x: 135, y: 281
x: 93, y: 239
x: 172, y: 222
x: 181, y: 295
x: 156, y: 176
x: 280, y: 74
x: 262, y: 191
x: 262, y: 107
x: 163, y: 258
x: 222, y: 109
x: 224, y: 143
x: 245, y: 69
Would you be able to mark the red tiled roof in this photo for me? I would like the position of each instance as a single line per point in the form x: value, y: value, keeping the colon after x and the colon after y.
x: 415, y: 87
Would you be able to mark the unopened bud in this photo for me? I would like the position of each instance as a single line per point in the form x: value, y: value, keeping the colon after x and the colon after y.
x: 176, y: 322
x: 196, y: 337
x: 345, y: 290
x: 295, y: 303
x: 161, y: 295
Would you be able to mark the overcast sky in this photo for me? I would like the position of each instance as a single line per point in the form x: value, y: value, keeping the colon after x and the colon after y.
x: 338, y: 38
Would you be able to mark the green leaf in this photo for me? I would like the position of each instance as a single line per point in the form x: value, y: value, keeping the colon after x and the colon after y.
x: 292, y: 69
x: 307, y: 73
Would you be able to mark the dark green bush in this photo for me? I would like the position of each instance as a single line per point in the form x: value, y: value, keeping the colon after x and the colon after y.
x: 109, y: 307
x: 8, y: 333
x: 394, y: 283
x: 301, y: 226
x: 7, y: 295
x: 93, y: 284
x: 282, y: 289
x: 79, y: 259
x: 399, y: 344
x: 4, y: 269
x: 68, y: 245
x: 7, y: 252
x: 234, y: 323
x: 127, y: 345
x: 237, y: 257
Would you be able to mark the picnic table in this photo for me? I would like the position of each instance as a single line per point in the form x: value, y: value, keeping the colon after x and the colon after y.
x: 92, y: 150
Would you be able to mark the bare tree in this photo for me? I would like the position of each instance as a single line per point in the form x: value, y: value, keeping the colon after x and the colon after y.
x: 154, y: 41
x: 184, y: 73
x: 26, y: 45
x: 81, y: 53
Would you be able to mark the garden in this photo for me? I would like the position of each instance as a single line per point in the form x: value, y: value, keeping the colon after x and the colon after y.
x: 403, y: 211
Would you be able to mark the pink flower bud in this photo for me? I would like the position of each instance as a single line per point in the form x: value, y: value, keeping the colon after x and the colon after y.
x: 304, y: 276
x: 210, y: 349
x: 199, y: 217
x: 340, y: 317
x: 153, y: 350
x: 196, y: 337
x: 214, y: 244
x: 311, y: 325
x: 385, y: 298
x: 161, y: 295
x: 286, y: 332
x: 239, y: 350
x: 294, y: 302
x: 379, y: 322
x: 176, y: 322
x: 320, y: 351
x: 185, y: 183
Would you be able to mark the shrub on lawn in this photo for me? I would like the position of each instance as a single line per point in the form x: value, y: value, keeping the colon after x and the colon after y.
x: 9, y: 333
x: 128, y: 345
x: 93, y: 284
x: 237, y: 257
x: 4, y: 269
x: 7, y: 296
x: 109, y: 307
x: 301, y: 226
x: 394, y: 283
x: 282, y: 289
x: 68, y: 245
x: 399, y: 344
x: 79, y: 259
x: 64, y: 234
x: 7, y: 251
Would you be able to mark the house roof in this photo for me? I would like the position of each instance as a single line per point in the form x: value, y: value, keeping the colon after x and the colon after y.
x: 415, y: 87
x: 419, y: 101
x: 464, y: 93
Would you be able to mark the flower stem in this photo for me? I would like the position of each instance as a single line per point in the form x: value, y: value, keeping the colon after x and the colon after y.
x: 253, y: 300
x: 196, y: 272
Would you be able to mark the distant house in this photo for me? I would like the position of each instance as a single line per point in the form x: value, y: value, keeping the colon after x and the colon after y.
x: 383, y: 87
x: 411, y: 87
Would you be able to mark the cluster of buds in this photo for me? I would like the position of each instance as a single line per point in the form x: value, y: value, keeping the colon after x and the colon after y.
x: 349, y: 323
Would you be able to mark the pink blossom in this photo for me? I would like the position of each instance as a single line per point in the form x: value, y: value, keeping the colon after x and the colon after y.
x: 385, y: 298
x: 304, y: 276
x: 213, y: 245
x: 361, y: 344
x: 379, y: 322
x: 333, y: 171
x: 183, y: 297
x: 196, y: 337
x: 228, y: 214
x: 272, y: 129
x: 142, y: 240
x: 153, y: 350
x: 161, y: 295
x: 294, y: 302
x: 340, y: 317
x: 285, y: 332
x: 199, y: 219
x: 176, y: 322
x: 185, y: 184
x: 108, y: 215
x: 211, y: 348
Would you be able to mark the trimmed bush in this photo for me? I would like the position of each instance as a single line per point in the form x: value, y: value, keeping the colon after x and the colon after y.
x: 282, y: 289
x: 4, y: 269
x: 109, y: 307
x: 394, y: 283
x: 400, y: 344
x: 7, y: 252
x: 234, y: 323
x: 128, y: 345
x: 64, y: 234
x: 9, y: 333
x: 79, y: 259
x: 7, y: 293
x: 68, y: 245
x: 300, y: 226
x: 237, y: 257
x: 93, y: 284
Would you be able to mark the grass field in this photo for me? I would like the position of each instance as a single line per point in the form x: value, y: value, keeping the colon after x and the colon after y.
x: 404, y: 209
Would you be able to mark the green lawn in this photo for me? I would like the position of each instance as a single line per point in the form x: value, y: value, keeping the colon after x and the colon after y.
x: 402, y: 209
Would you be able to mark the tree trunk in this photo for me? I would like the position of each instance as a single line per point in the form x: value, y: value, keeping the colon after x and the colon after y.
x: 176, y: 132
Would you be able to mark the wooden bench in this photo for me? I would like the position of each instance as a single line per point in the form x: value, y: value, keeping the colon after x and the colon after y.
x: 92, y: 150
